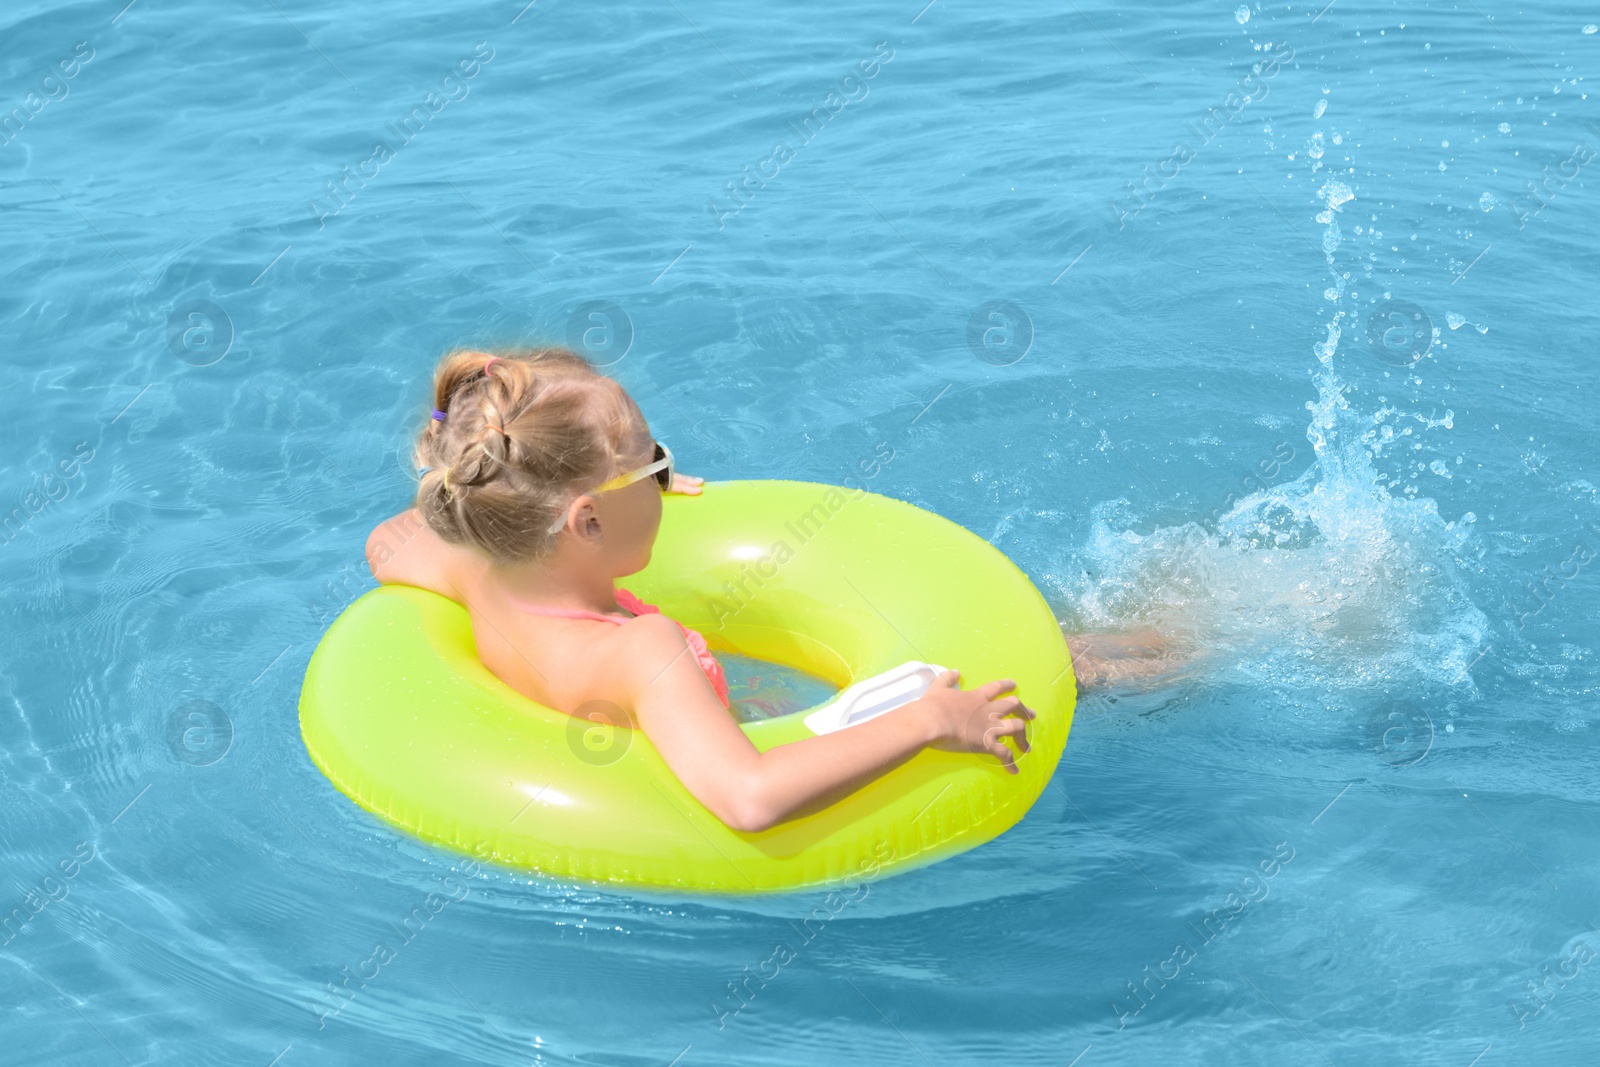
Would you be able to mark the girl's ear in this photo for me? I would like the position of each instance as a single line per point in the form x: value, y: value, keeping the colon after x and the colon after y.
x: 587, y: 519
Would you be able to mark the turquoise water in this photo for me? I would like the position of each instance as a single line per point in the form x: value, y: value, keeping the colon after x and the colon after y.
x: 1268, y: 326
x: 760, y: 690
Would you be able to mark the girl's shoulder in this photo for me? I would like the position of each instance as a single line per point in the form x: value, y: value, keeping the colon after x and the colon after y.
x: 641, y: 648
x: 651, y: 631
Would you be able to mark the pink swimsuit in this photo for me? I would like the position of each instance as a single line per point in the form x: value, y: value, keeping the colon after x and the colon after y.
x: 628, y: 602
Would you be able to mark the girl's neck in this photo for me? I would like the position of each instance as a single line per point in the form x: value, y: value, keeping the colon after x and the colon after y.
x: 551, y: 583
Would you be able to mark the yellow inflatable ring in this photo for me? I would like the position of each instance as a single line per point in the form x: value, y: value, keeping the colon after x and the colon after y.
x: 400, y: 714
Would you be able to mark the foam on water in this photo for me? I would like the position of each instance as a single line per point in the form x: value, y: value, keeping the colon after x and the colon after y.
x: 1328, y: 581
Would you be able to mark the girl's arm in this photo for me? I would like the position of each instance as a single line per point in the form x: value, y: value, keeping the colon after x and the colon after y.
x: 404, y: 551
x: 750, y: 790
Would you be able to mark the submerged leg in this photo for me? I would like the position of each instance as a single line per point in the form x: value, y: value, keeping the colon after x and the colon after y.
x: 1133, y: 658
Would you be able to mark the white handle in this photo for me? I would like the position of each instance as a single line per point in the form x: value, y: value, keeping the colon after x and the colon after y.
x: 871, y: 697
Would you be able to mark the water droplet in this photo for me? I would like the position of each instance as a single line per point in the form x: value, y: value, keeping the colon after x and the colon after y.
x: 1590, y: 28
x: 1455, y: 321
x: 1504, y: 127
x: 1335, y: 194
x: 1487, y: 201
x: 1322, y: 106
x: 1241, y: 14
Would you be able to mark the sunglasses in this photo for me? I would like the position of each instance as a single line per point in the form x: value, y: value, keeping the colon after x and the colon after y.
x: 660, y: 466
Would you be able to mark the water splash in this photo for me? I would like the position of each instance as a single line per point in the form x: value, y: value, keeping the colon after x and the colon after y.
x: 1326, y: 581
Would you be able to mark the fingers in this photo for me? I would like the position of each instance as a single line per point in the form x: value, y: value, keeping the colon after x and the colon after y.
x: 992, y: 717
x: 990, y: 690
x: 1010, y: 728
x: 1016, y: 729
x: 1009, y: 706
x: 993, y: 736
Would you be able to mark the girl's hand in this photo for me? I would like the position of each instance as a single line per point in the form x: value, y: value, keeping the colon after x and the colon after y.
x: 686, y: 483
x: 975, y: 720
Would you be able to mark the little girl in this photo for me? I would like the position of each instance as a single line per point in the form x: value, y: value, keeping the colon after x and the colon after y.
x: 541, y: 487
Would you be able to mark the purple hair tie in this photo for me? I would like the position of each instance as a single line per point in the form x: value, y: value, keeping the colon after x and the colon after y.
x: 438, y: 415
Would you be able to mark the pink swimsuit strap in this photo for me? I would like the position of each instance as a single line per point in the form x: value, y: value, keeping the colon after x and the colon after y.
x: 567, y: 613
x: 629, y: 602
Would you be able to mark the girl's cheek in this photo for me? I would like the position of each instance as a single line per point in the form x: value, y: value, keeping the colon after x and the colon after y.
x: 655, y: 512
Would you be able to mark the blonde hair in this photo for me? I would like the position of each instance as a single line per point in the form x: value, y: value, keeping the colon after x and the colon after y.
x: 522, y: 433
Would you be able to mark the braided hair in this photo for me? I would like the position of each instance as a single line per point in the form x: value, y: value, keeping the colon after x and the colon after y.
x: 512, y: 438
